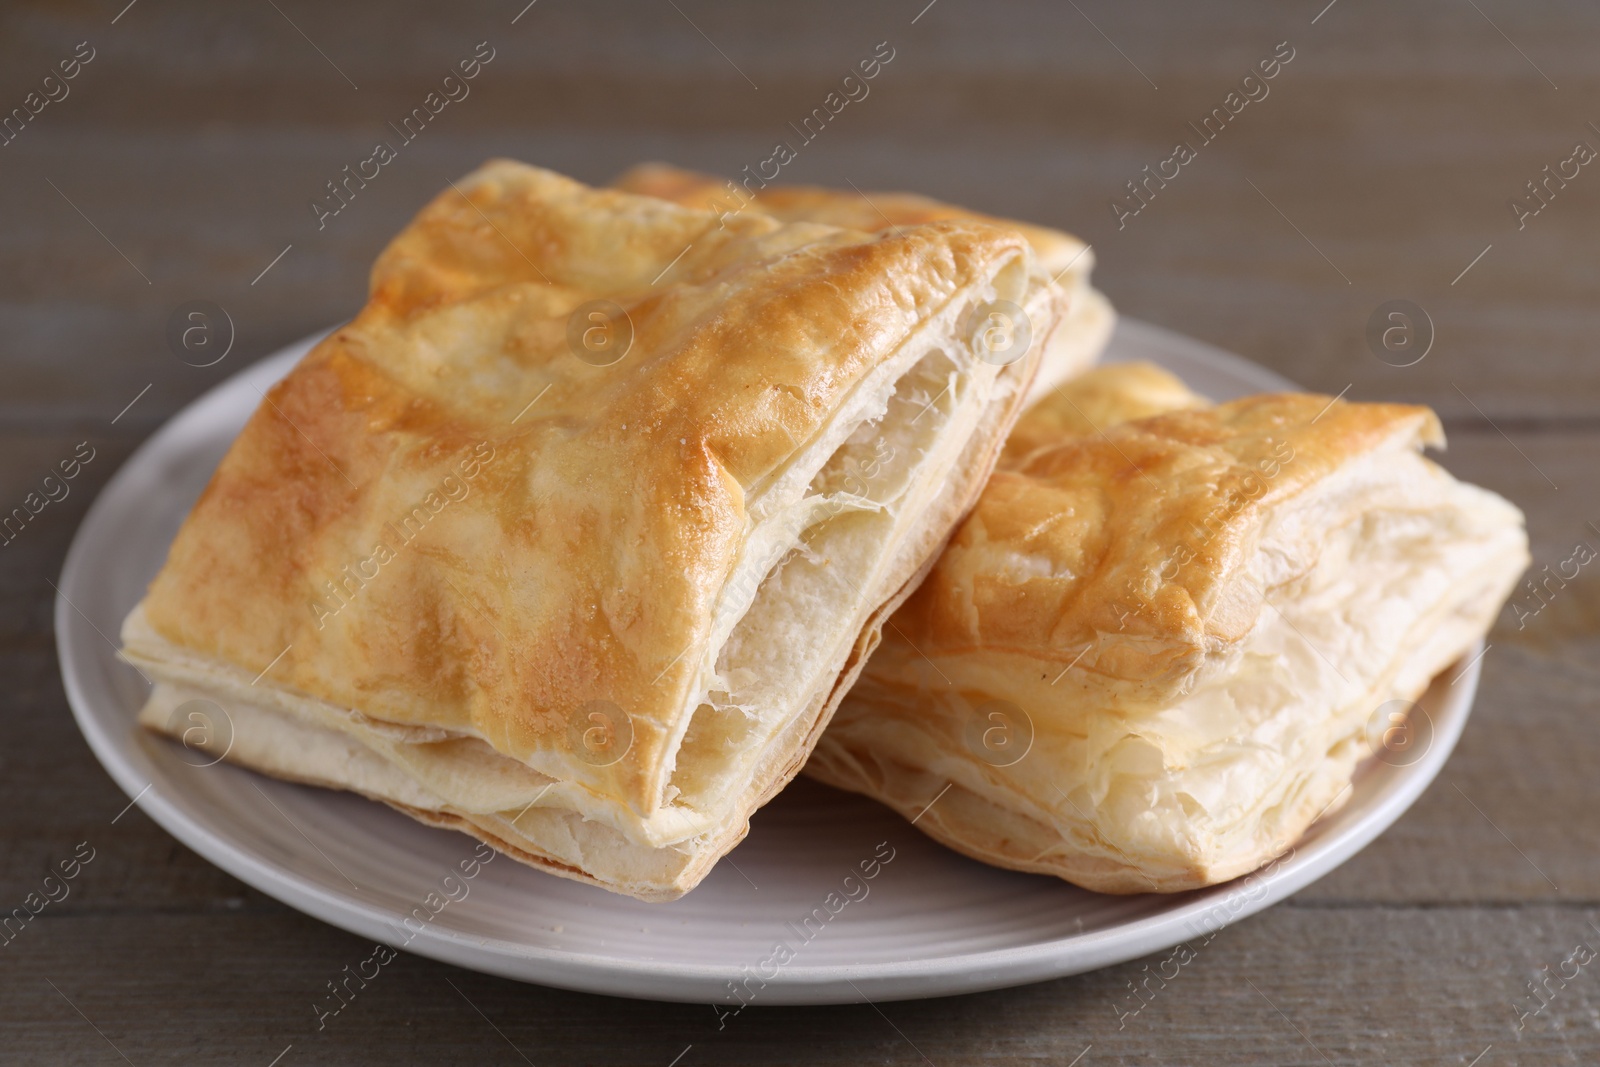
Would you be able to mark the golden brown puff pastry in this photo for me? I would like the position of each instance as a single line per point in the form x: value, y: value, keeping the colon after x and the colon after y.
x: 1151, y: 656
x: 592, y: 614
x: 1095, y: 400
x: 1077, y: 341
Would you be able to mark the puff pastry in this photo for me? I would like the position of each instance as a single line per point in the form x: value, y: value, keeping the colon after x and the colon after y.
x: 1101, y: 397
x: 592, y: 605
x: 1151, y: 656
x: 1078, y: 340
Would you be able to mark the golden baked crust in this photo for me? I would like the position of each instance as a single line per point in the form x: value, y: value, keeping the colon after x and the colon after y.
x: 1184, y: 624
x: 1085, y: 326
x: 446, y: 530
x: 1143, y: 540
x: 1096, y: 399
x: 868, y: 212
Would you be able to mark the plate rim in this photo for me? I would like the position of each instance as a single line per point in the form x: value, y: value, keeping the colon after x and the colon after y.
x: 797, y: 983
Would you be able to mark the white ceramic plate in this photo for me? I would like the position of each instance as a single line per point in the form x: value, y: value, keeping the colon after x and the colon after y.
x: 931, y: 922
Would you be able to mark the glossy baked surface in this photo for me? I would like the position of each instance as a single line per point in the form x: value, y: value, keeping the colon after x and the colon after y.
x: 460, y: 542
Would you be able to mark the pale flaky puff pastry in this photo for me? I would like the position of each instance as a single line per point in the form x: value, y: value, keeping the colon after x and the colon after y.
x: 1076, y: 343
x: 1156, y: 651
x: 590, y: 603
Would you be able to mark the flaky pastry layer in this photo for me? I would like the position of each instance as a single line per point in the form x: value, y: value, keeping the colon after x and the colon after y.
x: 457, y: 533
x: 1155, y: 653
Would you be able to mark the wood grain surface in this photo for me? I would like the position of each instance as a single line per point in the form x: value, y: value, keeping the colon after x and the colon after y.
x: 1380, y: 166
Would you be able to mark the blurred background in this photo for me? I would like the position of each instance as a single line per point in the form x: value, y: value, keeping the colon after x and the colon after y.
x: 1433, y: 152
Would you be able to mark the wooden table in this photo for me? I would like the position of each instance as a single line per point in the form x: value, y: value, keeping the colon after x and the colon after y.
x: 1379, y: 166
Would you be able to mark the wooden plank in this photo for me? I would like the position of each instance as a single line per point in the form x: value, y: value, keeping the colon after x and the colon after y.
x: 1370, y: 166
x: 1430, y: 986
